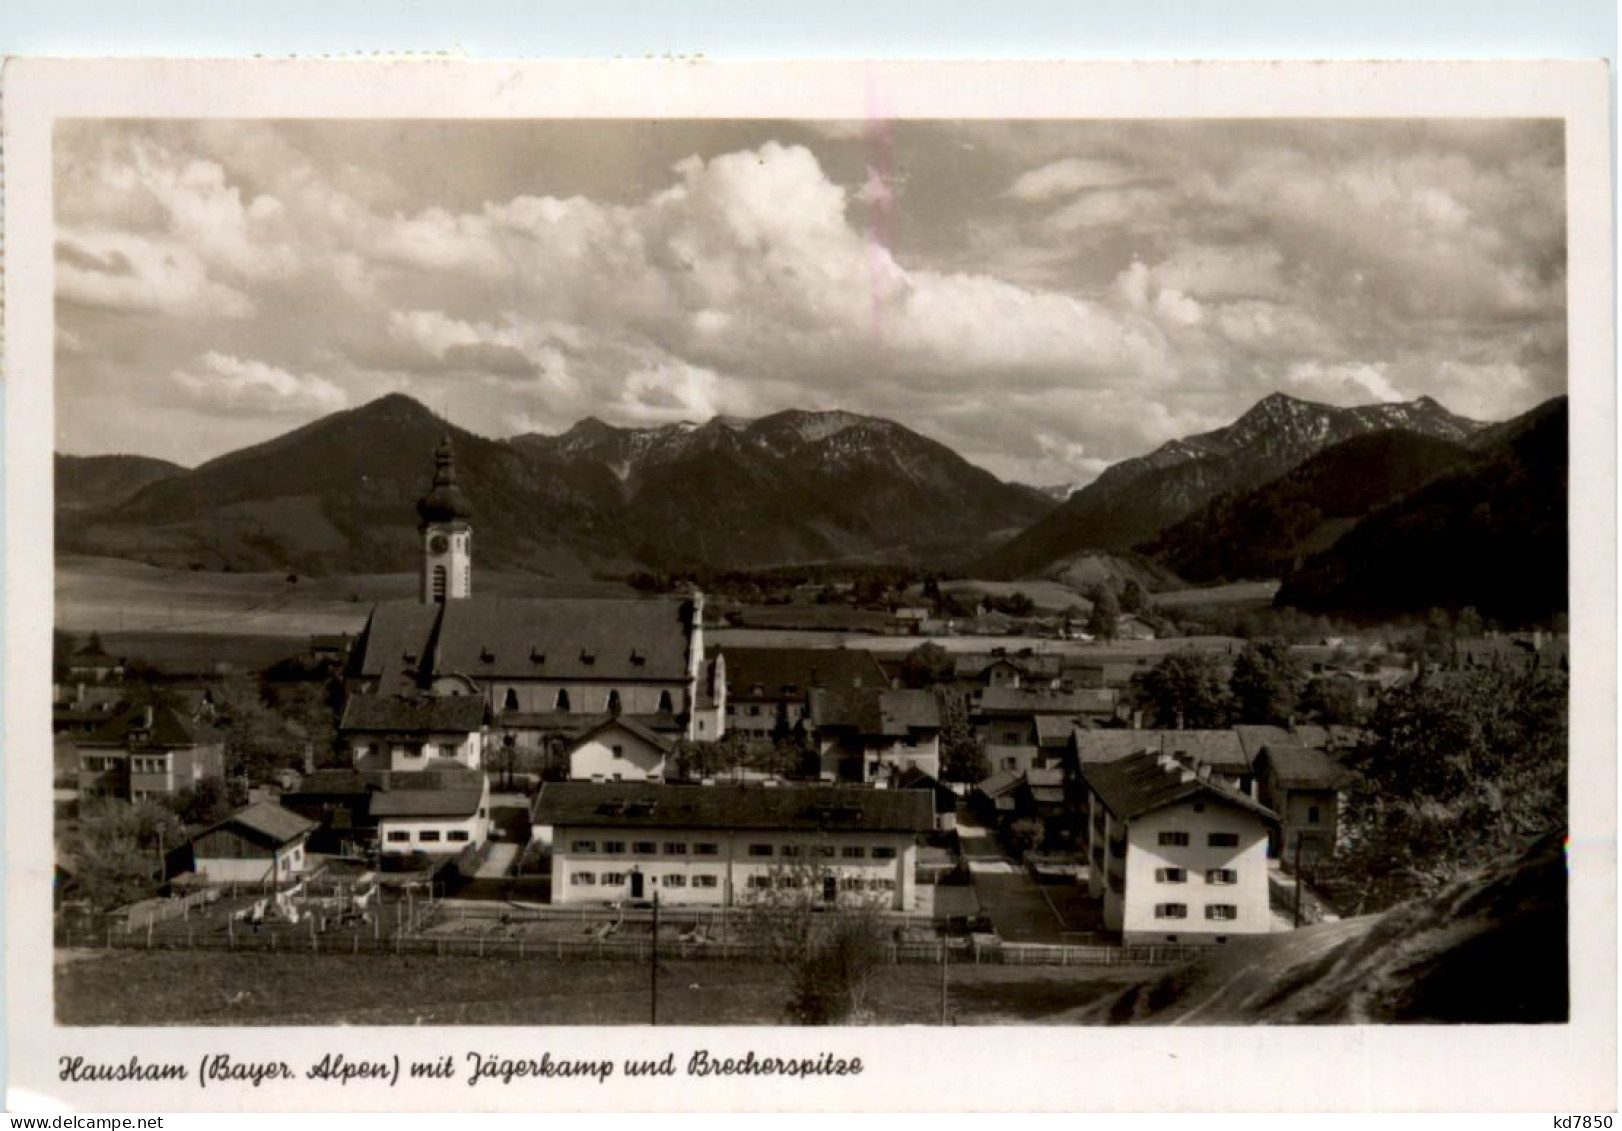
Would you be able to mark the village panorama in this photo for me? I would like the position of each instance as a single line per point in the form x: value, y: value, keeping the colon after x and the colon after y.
x: 799, y: 716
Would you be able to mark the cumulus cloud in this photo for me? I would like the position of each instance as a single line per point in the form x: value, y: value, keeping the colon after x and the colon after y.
x: 222, y: 383
x: 1046, y: 298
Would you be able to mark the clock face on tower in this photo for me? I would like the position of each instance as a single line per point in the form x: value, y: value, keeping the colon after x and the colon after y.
x: 439, y: 543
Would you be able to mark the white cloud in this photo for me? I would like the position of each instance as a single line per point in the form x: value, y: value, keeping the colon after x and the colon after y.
x: 1068, y: 176
x: 222, y: 383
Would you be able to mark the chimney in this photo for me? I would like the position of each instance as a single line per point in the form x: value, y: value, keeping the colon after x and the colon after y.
x: 147, y: 717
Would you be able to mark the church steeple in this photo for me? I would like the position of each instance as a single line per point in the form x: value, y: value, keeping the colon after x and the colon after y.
x: 447, y: 537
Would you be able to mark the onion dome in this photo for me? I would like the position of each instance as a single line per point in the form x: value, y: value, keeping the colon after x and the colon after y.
x: 444, y: 501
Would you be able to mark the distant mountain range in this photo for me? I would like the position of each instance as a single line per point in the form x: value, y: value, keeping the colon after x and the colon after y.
x: 1134, y: 500
x: 337, y: 496
x: 1265, y: 532
x: 1489, y: 533
x: 99, y: 481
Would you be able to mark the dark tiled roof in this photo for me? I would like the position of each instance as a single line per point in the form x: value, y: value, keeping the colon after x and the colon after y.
x: 267, y: 820
x: 1219, y: 749
x: 1256, y: 738
x: 1000, y: 783
x: 510, y: 638
x: 329, y: 783
x: 1303, y: 767
x: 427, y: 802
x: 1143, y: 783
x: 792, y: 672
x: 627, y: 723
x: 1044, y: 701
x: 888, y: 713
x: 829, y: 808
x: 571, y: 725
x: 1041, y: 664
x: 413, y: 713
x: 169, y: 728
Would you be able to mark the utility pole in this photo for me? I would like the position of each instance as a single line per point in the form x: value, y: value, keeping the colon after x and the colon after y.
x: 653, y: 1001
x: 1299, y: 836
x: 945, y: 1014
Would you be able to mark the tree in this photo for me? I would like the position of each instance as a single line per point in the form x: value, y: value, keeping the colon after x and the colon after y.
x: 1266, y: 683
x: 1332, y: 700
x: 119, y: 851
x: 1186, y: 688
x: 1133, y: 597
x: 1456, y: 776
x: 1022, y: 836
x: 1106, y: 614
x: 832, y: 949
x: 927, y: 665
x: 207, y: 802
x: 963, y: 756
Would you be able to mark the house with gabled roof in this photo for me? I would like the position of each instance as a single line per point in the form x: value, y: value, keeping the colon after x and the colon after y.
x: 863, y: 734
x: 1177, y: 855
x: 1303, y: 785
x: 1223, y: 751
x: 768, y: 690
x: 408, y: 732
x: 148, y: 752
x: 620, y: 749
x: 261, y: 844
x: 717, y: 845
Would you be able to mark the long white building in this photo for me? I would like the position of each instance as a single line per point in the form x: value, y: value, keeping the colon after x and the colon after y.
x: 711, y: 845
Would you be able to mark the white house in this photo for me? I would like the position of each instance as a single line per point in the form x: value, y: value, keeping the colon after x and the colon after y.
x: 1177, y: 855
x: 436, y: 822
x: 619, y: 749
x: 713, y: 845
x: 408, y: 732
x: 864, y: 734
x: 262, y: 844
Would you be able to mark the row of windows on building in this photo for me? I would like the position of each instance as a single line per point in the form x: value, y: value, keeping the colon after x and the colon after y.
x: 703, y: 848
x: 1212, y: 840
x: 1219, y: 876
x: 1218, y: 912
x: 562, y: 702
x: 427, y: 836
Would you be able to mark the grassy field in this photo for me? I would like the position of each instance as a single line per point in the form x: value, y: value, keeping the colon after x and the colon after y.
x: 110, y: 595
x: 214, y: 988
x: 1238, y: 593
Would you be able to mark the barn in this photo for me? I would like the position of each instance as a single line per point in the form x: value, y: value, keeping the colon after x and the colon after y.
x: 262, y: 844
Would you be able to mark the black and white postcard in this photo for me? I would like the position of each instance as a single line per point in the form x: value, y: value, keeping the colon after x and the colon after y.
x: 675, y: 584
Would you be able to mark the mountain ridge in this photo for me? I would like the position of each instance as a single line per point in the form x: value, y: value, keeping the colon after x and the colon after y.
x: 1135, y: 499
x: 337, y: 495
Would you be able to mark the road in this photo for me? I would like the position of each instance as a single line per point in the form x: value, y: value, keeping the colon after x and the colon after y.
x: 1008, y: 895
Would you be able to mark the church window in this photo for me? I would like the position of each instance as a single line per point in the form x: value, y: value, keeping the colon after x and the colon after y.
x: 510, y: 702
x: 562, y: 703
x: 439, y: 583
x: 614, y: 702
x: 665, y: 703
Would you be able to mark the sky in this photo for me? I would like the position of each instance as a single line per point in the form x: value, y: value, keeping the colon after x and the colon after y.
x: 1044, y: 297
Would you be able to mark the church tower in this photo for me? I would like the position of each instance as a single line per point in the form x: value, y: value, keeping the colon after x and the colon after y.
x: 447, y: 538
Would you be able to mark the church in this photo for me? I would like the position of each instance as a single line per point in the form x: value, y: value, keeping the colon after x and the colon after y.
x: 544, y: 668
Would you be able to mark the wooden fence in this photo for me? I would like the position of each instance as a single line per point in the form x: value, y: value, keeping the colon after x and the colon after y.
x: 617, y: 949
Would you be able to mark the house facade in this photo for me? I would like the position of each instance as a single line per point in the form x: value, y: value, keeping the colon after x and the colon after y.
x: 721, y: 845
x: 442, y: 821
x: 769, y: 689
x: 1302, y: 785
x: 619, y: 750
x: 262, y: 844
x: 408, y: 732
x: 148, y: 753
x: 866, y: 735
x: 1176, y: 856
